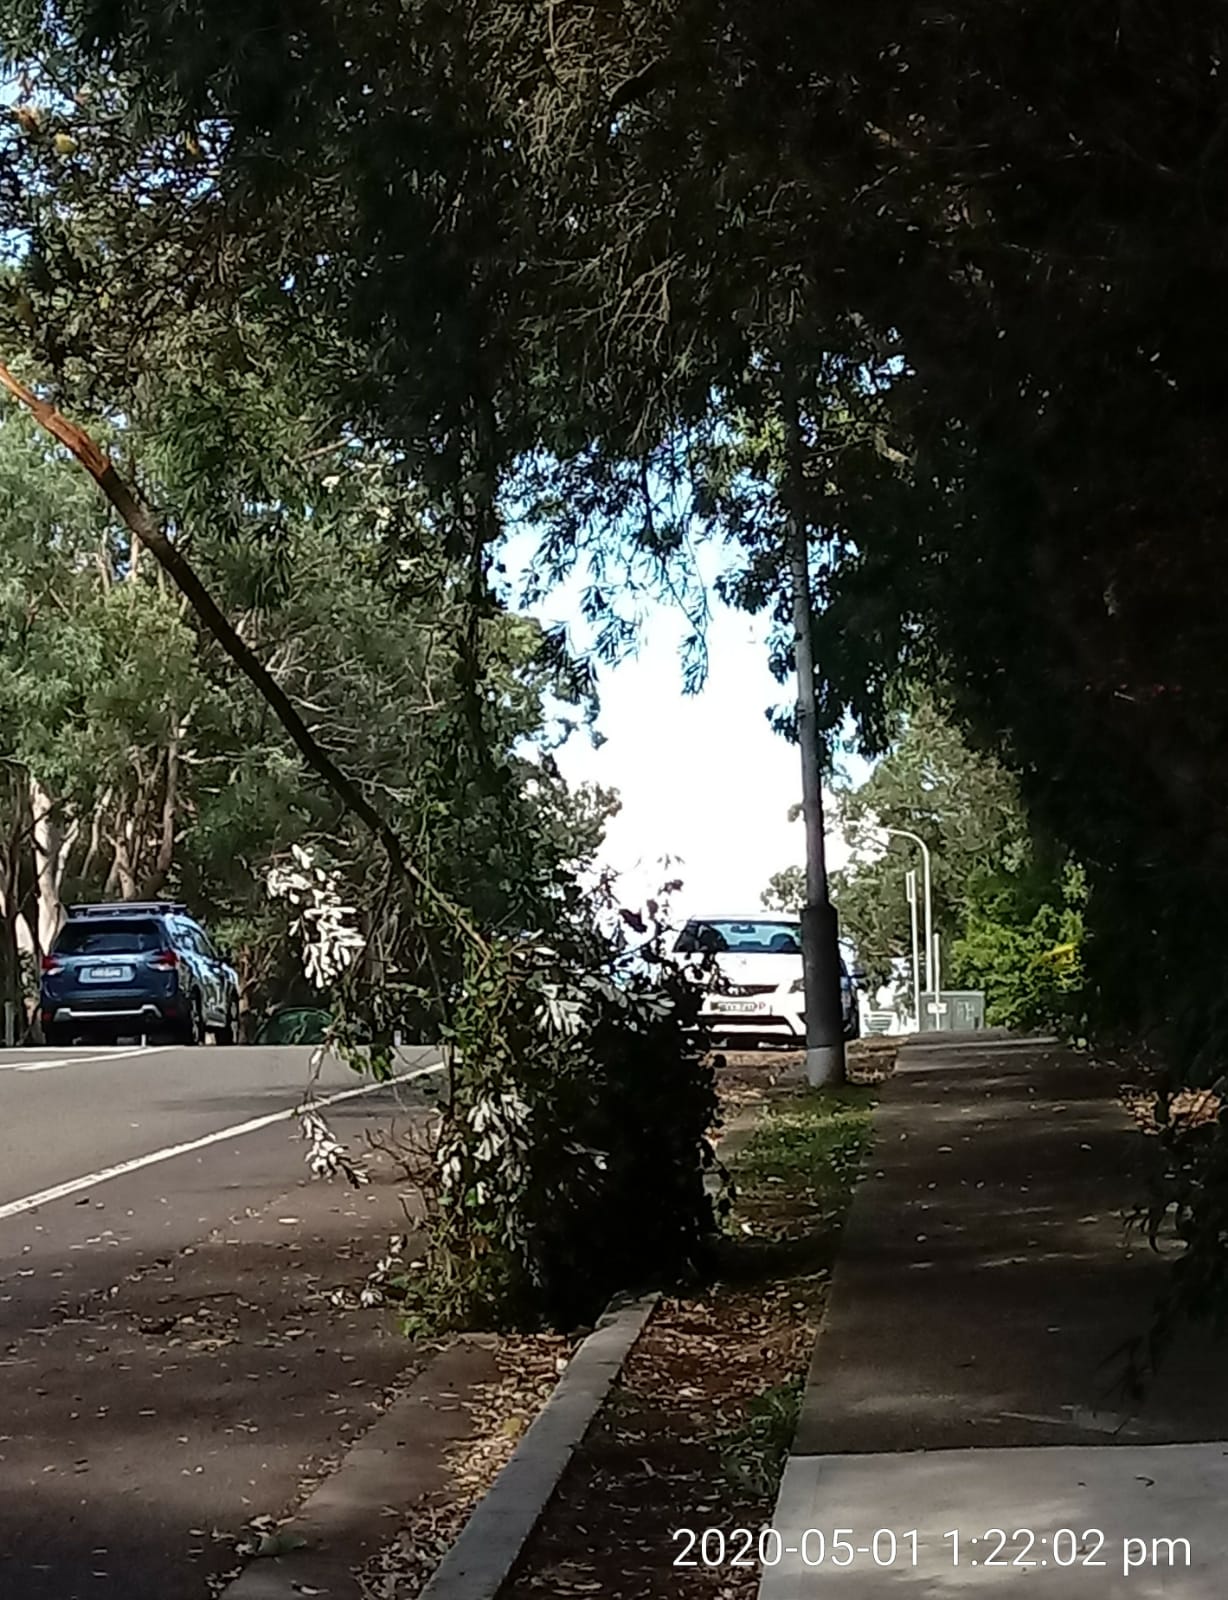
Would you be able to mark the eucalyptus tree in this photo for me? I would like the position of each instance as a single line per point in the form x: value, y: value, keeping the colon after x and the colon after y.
x: 586, y: 240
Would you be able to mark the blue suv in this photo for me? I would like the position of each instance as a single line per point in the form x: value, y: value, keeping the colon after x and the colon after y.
x: 129, y: 968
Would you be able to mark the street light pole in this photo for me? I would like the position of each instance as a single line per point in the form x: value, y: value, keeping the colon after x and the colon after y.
x: 905, y: 833
x: 820, y: 938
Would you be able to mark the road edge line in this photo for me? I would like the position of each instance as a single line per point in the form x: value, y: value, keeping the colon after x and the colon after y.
x: 45, y: 1064
x: 61, y: 1191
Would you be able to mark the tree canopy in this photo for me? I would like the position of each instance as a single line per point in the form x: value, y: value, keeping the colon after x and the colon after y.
x: 138, y: 767
x: 993, y: 239
x: 1006, y: 902
x: 563, y: 258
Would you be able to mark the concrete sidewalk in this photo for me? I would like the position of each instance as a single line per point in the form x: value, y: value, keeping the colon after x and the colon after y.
x: 967, y: 1375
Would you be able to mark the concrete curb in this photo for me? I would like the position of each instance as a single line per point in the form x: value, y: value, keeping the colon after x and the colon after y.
x: 401, y: 1459
x: 978, y: 1039
x: 483, y: 1555
x: 377, y: 1473
x: 398, y: 1461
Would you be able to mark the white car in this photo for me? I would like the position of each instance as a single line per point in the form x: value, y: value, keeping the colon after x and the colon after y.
x: 756, y: 991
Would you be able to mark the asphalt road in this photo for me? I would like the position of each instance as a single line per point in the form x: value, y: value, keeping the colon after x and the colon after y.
x: 171, y: 1363
x: 67, y: 1114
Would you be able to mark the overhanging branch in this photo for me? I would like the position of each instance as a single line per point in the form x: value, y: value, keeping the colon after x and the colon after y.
x: 141, y: 522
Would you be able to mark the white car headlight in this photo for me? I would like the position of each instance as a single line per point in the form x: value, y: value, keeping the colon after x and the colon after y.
x: 798, y: 986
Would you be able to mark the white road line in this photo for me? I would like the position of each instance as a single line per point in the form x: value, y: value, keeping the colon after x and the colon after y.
x: 60, y: 1191
x: 83, y: 1060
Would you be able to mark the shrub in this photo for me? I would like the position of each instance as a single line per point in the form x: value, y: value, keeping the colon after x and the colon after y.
x: 1025, y: 953
x: 570, y: 1158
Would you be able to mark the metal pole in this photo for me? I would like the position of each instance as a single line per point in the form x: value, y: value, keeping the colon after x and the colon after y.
x: 820, y: 942
x: 906, y: 833
x: 911, y: 883
x: 937, y: 976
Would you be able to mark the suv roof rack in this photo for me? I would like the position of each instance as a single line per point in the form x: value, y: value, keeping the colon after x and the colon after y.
x: 124, y: 908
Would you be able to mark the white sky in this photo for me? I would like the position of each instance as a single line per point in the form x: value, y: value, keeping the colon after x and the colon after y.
x: 702, y: 778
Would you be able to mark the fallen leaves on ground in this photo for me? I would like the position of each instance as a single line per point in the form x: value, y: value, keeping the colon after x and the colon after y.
x: 1191, y: 1108
x: 500, y: 1414
x: 670, y: 1447
x: 745, y: 1077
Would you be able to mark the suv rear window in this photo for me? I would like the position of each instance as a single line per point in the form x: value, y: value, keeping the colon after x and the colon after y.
x: 744, y: 938
x: 109, y: 938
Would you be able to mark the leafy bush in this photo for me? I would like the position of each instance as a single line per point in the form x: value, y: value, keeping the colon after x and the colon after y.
x: 754, y: 1454
x: 570, y: 1159
x: 1026, y: 956
x: 570, y: 1150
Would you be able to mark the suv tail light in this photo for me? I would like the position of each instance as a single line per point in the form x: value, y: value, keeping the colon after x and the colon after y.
x: 51, y: 964
x: 165, y: 961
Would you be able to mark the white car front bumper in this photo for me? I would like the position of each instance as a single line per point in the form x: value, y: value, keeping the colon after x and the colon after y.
x: 777, y: 1015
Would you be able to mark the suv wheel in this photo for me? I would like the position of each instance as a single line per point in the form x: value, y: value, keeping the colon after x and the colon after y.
x: 229, y: 1033
x: 194, y: 1028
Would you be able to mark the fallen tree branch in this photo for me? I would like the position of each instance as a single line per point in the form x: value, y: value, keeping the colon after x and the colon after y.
x: 142, y: 524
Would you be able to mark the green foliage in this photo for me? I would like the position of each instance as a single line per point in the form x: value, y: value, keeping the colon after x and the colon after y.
x: 1008, y: 910
x: 964, y: 806
x: 786, y: 890
x: 814, y: 1142
x: 163, y: 774
x: 570, y: 1163
x: 981, y: 248
x: 753, y: 1455
x: 998, y: 341
x: 1026, y: 956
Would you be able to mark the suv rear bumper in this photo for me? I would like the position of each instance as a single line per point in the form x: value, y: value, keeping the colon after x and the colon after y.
x: 103, y: 1013
x: 129, y: 1014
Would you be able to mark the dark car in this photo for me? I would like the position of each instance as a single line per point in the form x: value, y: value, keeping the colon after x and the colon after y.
x: 129, y: 968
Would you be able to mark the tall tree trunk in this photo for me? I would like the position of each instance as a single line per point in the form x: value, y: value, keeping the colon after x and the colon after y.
x: 11, y: 984
x: 21, y: 890
x: 49, y: 849
x: 119, y: 878
x: 124, y: 875
x: 165, y: 857
x: 95, y: 841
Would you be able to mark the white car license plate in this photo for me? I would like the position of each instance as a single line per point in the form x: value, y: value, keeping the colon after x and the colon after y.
x: 107, y: 974
x: 751, y: 1006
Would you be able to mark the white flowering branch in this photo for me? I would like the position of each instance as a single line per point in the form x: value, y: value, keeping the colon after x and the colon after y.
x: 331, y: 942
x: 328, y: 1156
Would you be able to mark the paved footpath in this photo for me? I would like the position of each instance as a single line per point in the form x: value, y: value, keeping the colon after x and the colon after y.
x: 967, y: 1378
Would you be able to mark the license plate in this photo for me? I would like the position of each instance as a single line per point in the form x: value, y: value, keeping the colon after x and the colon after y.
x: 750, y: 1006
x: 107, y: 974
